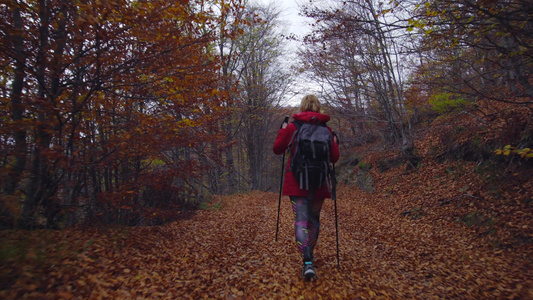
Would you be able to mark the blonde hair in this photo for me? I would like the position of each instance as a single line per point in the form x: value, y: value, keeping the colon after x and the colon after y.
x: 310, y: 103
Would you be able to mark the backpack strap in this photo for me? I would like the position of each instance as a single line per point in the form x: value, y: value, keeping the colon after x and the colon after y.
x: 298, y: 125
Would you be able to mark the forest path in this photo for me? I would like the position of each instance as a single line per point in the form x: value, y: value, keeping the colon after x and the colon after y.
x: 230, y: 252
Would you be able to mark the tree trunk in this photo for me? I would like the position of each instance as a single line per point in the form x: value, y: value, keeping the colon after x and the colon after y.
x: 17, y: 107
x: 38, y: 172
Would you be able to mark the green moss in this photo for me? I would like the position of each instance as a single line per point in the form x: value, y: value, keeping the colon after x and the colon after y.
x: 364, y: 166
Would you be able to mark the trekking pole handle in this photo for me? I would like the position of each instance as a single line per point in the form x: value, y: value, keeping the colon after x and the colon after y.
x: 286, y: 120
x: 336, y: 137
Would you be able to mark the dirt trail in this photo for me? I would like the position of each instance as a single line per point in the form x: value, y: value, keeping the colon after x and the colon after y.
x: 230, y: 252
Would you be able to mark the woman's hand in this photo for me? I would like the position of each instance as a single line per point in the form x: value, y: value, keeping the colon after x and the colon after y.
x: 335, y: 138
x: 285, y: 122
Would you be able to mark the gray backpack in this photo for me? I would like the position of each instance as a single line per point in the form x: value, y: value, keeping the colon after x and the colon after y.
x: 312, y: 146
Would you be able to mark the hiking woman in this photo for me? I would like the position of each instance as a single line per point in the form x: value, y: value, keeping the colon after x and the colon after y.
x: 306, y: 204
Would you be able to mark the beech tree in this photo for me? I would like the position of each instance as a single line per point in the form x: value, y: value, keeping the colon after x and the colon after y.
x: 231, y: 27
x: 253, y: 62
x: 106, y: 105
x: 263, y: 83
x: 474, y: 48
x: 355, y: 53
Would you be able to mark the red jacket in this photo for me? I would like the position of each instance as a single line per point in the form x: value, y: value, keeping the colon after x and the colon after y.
x: 290, y: 185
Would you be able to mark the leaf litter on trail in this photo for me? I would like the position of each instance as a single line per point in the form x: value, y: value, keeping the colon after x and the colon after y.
x: 230, y: 253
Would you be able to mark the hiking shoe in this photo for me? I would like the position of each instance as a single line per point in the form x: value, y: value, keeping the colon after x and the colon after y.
x: 308, y: 271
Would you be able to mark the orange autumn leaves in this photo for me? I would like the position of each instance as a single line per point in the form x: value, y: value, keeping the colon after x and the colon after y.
x: 230, y: 252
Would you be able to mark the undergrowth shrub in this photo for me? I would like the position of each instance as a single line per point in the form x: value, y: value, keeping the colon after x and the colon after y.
x: 525, y: 153
x: 475, y: 131
x: 447, y: 102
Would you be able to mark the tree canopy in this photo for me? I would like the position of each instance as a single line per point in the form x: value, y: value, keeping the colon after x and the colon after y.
x: 123, y: 111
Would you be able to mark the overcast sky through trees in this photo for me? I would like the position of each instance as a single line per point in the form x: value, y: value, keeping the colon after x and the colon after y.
x: 296, y: 25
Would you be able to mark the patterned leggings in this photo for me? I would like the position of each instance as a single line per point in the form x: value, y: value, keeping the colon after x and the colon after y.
x: 306, y: 223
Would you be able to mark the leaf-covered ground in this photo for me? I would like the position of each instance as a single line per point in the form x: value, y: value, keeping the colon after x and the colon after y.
x: 434, y: 233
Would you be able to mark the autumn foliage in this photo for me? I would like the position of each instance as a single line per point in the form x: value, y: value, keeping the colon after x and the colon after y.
x: 135, y: 144
x: 105, y: 104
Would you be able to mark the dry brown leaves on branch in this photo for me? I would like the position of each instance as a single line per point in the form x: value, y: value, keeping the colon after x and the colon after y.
x: 403, y: 241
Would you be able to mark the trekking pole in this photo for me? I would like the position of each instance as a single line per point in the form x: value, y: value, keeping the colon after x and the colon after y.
x: 286, y: 120
x: 334, y: 196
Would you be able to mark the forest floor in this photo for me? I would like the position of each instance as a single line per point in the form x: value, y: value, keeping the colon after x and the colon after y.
x: 437, y: 232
